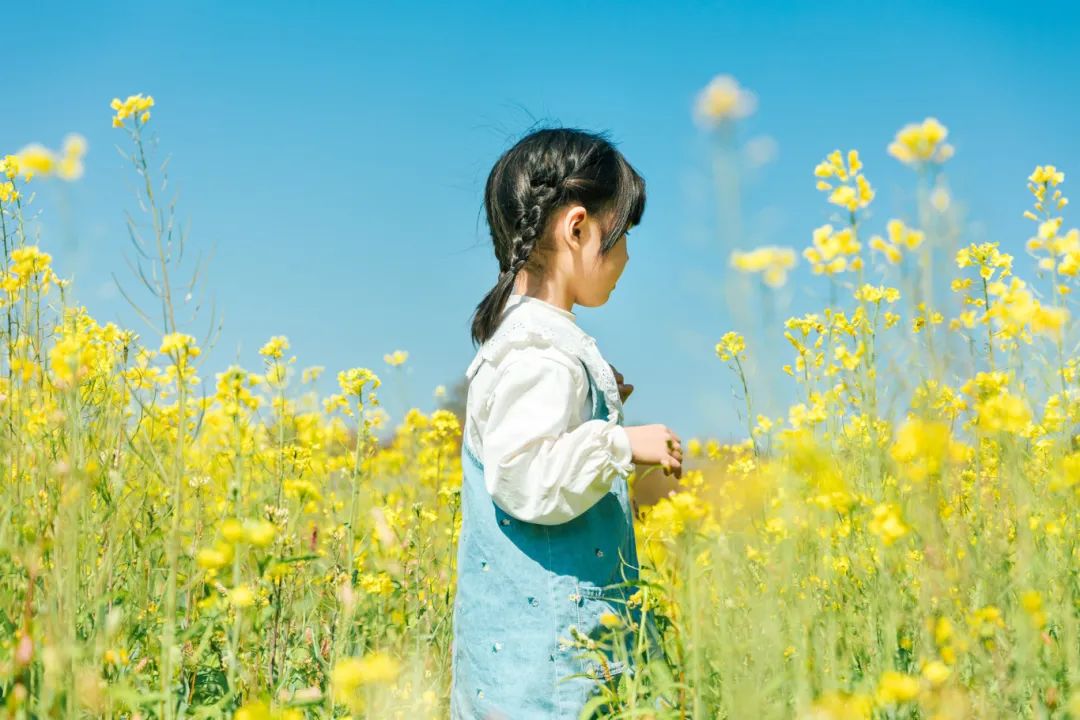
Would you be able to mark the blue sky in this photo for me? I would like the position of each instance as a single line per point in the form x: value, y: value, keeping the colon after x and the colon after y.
x: 333, y: 156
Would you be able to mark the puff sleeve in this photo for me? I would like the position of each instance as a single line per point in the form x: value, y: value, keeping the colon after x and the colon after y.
x: 537, y: 467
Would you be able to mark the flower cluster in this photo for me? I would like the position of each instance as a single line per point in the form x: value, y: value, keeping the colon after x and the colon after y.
x: 396, y: 358
x: 901, y: 237
x: 731, y: 346
x: 772, y: 262
x: 723, y: 99
x: 135, y: 106
x: 37, y: 160
x: 920, y: 144
x: 831, y: 249
x: 852, y: 190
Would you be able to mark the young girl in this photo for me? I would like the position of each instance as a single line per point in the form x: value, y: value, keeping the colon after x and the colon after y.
x: 547, y: 528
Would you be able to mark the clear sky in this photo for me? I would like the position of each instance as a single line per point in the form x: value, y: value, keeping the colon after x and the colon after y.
x: 333, y: 156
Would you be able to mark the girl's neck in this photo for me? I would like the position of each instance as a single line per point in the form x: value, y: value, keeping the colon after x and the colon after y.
x: 549, y: 292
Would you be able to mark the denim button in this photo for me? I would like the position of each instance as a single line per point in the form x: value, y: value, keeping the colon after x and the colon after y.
x: 599, y: 552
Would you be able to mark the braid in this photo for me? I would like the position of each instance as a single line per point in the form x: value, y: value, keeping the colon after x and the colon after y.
x: 530, y: 224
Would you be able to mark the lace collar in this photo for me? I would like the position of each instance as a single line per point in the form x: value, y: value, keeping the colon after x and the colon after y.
x: 537, y: 303
x: 528, y: 321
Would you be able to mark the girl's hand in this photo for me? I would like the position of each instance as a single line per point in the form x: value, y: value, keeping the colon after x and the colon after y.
x: 624, y: 389
x: 656, y: 445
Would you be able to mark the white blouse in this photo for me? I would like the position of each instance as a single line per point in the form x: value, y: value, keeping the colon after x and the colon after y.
x: 527, y: 416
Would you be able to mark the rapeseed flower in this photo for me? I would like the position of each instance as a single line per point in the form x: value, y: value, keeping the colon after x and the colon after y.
x: 772, y: 262
x: 919, y: 144
x: 134, y: 106
x: 723, y: 99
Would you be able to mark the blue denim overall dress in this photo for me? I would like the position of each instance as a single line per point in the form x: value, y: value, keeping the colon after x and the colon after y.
x: 520, y: 586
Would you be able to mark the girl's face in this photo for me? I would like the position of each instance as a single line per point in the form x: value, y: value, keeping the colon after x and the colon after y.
x: 595, y: 275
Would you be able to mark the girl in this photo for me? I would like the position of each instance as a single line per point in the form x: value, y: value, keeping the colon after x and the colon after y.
x: 547, y: 531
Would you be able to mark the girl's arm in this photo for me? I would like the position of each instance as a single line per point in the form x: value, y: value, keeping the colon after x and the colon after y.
x: 536, y: 467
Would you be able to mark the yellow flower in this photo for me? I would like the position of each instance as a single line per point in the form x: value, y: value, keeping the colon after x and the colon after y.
x: 8, y: 193
x: 1031, y: 601
x: 349, y: 674
x: 940, y: 199
x: 854, y: 164
x: 134, y: 105
x: 901, y: 234
x: 919, y: 143
x: 275, y: 347
x: 301, y: 489
x: 891, y: 252
x: 31, y: 267
x: 396, y: 358
x: 854, y: 190
x: 1003, y: 412
x: 277, y: 570
x: 35, y: 159
x: 723, y: 99
x: 377, y: 583
x: 985, y: 622
x: 260, y: 532
x: 828, y: 254
x: 873, y: 294
x: 1047, y: 174
x: 943, y: 630
x: 693, y: 447
x: 78, y: 354
x: 610, y: 620
x: 232, y: 530
x: 9, y: 165
x: 839, y: 705
x: 773, y: 262
x: 731, y: 345
x: 844, y: 196
x: 113, y: 657
x: 924, y: 447
x: 179, y: 345
x: 259, y: 710
x: 936, y: 672
x: 887, y: 523
x: 253, y: 710
x: 354, y: 381
x: 216, y: 557
x: 987, y: 258
x: 241, y: 596
x: 896, y: 687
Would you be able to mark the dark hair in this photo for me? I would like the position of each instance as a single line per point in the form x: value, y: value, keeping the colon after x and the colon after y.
x: 544, y: 170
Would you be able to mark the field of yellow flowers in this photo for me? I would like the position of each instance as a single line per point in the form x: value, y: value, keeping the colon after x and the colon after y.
x: 259, y: 553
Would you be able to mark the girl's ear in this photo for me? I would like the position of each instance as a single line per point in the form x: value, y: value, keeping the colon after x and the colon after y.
x: 573, y: 222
